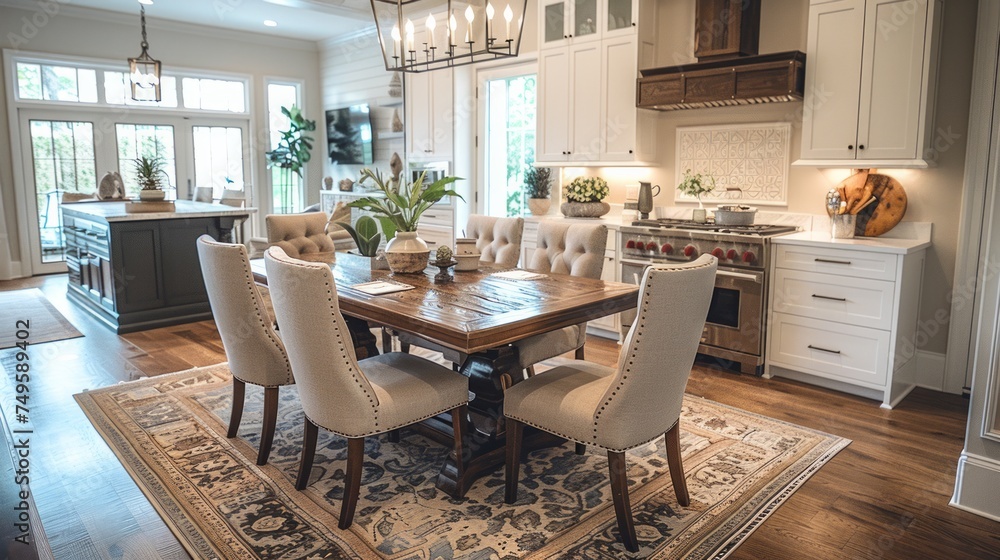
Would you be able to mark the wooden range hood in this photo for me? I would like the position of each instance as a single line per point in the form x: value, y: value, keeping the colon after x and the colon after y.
x: 729, y: 71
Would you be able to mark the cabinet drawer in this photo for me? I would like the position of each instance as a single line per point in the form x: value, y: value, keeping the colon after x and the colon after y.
x: 845, y: 299
x: 846, y: 262
x: 849, y: 353
x: 438, y: 217
x: 435, y: 236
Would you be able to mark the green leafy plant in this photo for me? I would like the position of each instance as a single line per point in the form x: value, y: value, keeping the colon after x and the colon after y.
x: 587, y: 189
x: 538, y: 182
x: 365, y: 234
x: 149, y: 172
x: 696, y: 184
x: 401, y: 208
x: 293, y: 150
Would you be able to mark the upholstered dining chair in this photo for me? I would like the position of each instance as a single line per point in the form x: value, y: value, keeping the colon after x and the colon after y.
x: 497, y: 239
x: 574, y: 249
x: 349, y: 398
x: 301, y: 236
x: 617, y: 409
x: 255, y: 353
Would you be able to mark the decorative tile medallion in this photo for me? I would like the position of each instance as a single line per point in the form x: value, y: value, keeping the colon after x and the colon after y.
x: 748, y: 161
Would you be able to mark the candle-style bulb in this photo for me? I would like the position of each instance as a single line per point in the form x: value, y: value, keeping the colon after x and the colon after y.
x: 490, y: 12
x: 469, y: 14
x: 409, y: 28
x: 508, y: 14
x: 431, y: 23
x: 453, y: 23
x: 395, y: 33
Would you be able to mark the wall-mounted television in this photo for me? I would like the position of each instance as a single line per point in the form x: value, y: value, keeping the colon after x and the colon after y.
x: 349, y: 135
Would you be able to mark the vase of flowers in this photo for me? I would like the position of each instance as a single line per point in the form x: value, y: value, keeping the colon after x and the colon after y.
x: 583, y: 198
x: 537, y: 187
x: 398, y: 214
x: 151, y: 175
x: 696, y: 184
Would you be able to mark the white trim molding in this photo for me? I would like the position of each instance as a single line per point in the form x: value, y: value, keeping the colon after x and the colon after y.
x: 976, y: 484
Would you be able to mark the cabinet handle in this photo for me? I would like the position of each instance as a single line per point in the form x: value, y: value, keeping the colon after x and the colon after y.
x: 570, y: 35
x: 831, y: 261
x: 821, y: 349
x: 817, y: 296
x: 630, y: 151
x: 431, y: 242
x: 850, y: 146
x: 861, y: 146
x: 633, y: 24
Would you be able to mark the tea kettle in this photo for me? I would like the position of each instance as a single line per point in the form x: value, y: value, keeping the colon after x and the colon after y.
x: 646, y: 195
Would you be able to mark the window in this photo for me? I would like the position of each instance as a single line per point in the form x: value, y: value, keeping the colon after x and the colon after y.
x: 56, y: 83
x: 214, y: 95
x: 286, y: 188
x: 218, y: 158
x: 118, y: 91
x: 63, y: 157
x: 510, y: 141
x: 141, y: 140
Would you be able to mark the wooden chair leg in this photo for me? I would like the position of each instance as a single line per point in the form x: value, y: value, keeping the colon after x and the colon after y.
x: 270, y: 419
x: 394, y: 436
x: 581, y: 449
x: 579, y: 354
x: 386, y: 341
x: 530, y: 370
x: 352, y: 483
x: 404, y: 347
x: 308, y: 451
x: 674, y: 462
x: 236, y: 414
x: 623, y: 508
x: 458, y: 419
x: 514, y: 431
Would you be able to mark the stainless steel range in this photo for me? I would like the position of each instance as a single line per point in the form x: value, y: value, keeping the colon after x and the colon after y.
x: 734, y: 331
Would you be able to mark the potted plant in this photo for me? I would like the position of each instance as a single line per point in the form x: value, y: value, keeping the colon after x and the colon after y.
x: 399, y: 212
x: 151, y: 176
x: 292, y: 152
x: 696, y: 184
x: 537, y: 187
x: 367, y: 237
x: 583, y: 198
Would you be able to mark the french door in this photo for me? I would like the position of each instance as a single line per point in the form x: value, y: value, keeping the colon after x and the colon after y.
x: 69, y: 151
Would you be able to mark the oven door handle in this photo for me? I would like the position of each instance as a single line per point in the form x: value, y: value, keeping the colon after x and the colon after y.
x: 741, y: 275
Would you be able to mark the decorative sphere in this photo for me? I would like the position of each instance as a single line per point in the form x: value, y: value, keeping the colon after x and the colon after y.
x: 444, y: 253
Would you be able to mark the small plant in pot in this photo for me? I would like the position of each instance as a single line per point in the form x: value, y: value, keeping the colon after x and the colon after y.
x: 584, y: 196
x: 367, y: 237
x: 537, y: 187
x: 399, y: 212
x: 696, y: 184
x: 151, y: 176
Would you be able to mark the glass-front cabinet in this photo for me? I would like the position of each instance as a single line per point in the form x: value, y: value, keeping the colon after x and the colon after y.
x: 566, y: 21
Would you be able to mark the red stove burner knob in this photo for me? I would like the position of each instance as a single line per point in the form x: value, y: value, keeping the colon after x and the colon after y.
x: 732, y: 255
x: 749, y: 257
x: 652, y: 246
x: 630, y: 244
x: 690, y: 250
x: 667, y: 249
x: 718, y: 253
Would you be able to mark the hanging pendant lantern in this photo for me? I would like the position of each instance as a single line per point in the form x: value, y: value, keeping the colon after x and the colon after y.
x: 144, y: 71
x: 423, y: 35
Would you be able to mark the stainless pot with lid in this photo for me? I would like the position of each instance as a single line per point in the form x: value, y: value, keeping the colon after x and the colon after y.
x: 735, y: 215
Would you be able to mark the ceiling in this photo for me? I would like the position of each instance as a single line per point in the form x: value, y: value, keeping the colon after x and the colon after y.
x: 300, y: 19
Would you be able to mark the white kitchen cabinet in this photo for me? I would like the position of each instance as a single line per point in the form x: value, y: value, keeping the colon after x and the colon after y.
x: 437, y: 227
x: 567, y: 22
x: 870, y: 82
x: 844, y: 316
x: 586, y: 100
x: 430, y: 115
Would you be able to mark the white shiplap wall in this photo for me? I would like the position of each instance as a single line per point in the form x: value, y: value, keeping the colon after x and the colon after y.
x: 352, y: 72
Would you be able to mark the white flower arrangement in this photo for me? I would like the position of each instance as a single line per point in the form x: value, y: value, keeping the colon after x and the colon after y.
x: 696, y: 184
x: 587, y: 189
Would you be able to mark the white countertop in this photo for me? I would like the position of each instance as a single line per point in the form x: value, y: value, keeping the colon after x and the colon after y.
x: 907, y: 237
x: 115, y: 211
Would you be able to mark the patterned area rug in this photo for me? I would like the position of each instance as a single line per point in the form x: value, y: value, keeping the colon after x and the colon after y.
x: 46, y: 323
x: 169, y: 432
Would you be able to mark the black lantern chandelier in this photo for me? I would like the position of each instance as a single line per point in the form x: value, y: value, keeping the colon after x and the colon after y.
x: 422, y: 35
x: 144, y: 71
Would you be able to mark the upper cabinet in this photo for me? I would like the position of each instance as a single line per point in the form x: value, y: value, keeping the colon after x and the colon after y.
x: 588, y: 66
x: 870, y: 83
x: 429, y: 115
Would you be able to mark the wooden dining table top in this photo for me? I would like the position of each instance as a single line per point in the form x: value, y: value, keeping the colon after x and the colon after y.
x: 475, y: 310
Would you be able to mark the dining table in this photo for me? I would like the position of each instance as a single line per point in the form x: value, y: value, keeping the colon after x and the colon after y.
x: 478, y: 314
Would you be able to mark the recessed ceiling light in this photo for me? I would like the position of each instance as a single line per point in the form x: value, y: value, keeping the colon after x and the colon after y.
x: 146, y: 2
x: 270, y: 23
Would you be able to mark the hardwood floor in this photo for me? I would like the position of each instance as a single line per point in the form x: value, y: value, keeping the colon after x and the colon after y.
x: 885, y: 496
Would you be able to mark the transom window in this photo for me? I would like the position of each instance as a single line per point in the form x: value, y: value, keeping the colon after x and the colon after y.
x: 56, y: 83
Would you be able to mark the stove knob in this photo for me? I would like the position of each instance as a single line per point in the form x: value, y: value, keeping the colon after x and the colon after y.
x: 630, y: 244
x: 732, y: 255
x: 719, y: 253
x: 749, y: 257
x: 667, y: 249
x: 690, y: 250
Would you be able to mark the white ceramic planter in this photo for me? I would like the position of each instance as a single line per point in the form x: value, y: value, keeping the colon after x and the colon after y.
x: 407, y: 253
x: 539, y: 206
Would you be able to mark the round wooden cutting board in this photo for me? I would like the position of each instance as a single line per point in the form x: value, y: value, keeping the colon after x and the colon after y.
x: 876, y: 218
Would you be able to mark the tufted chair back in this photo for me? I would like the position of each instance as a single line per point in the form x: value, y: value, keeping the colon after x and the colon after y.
x: 644, y: 400
x: 576, y: 249
x: 256, y: 355
x: 498, y: 239
x: 301, y: 236
x: 335, y: 392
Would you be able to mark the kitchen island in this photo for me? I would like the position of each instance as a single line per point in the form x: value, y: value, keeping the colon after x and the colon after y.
x: 138, y: 271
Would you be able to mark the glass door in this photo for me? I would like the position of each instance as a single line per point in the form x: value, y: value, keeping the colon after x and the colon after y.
x: 507, y: 124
